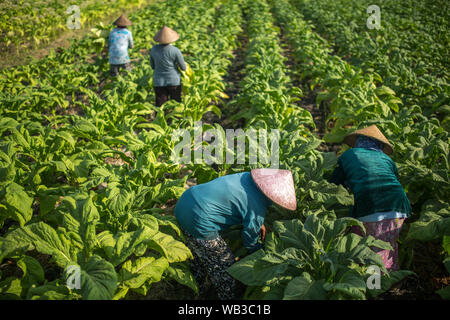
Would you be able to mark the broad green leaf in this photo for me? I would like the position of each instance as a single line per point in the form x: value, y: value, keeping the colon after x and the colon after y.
x: 49, y: 291
x: 33, y: 273
x: 98, y: 279
x: 41, y: 237
x: 81, y: 218
x: 304, y: 288
x: 11, y: 289
x: 173, y: 250
x: 351, y: 284
x: 269, y: 268
x: 119, y: 199
x: 145, y: 220
x: 145, y: 269
x: 243, y: 269
x: 182, y: 274
x: 126, y: 243
x: 18, y: 203
x: 444, y: 293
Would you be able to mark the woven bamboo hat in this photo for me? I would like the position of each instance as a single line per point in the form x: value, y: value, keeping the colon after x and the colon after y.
x: 123, y: 21
x: 166, y: 35
x: 277, y: 185
x: 371, y: 132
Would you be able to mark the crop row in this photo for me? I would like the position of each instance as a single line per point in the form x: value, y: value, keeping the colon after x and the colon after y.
x: 87, y: 190
x: 46, y: 19
x: 308, y: 256
x: 421, y: 144
x: 409, y: 51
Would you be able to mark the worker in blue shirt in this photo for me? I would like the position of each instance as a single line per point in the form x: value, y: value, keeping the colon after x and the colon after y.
x: 120, y: 39
x: 237, y: 199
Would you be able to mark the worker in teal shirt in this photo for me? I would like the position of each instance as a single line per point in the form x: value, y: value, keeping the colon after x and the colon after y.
x: 237, y: 199
x: 379, y: 199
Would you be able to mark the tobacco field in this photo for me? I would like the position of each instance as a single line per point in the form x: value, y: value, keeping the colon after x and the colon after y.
x: 86, y: 173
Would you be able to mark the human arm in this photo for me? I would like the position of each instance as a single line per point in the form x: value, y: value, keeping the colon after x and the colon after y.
x: 253, y: 224
x: 152, y: 62
x: 263, y: 232
x: 180, y: 60
x: 130, y: 40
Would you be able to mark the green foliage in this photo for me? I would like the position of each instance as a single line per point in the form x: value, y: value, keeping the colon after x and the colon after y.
x: 317, y: 259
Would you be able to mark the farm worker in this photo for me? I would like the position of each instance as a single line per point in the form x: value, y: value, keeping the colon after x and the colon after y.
x: 120, y: 39
x: 380, y: 201
x: 165, y: 59
x: 242, y: 198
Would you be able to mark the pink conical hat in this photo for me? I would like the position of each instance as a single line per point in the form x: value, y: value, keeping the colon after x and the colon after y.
x: 277, y: 185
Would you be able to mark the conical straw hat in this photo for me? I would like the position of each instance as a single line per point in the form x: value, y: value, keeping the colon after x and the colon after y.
x: 372, y: 132
x: 277, y: 185
x: 166, y: 35
x: 122, y: 21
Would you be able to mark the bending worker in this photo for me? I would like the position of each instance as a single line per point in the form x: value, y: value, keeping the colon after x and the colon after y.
x: 165, y: 59
x: 379, y: 199
x: 241, y: 198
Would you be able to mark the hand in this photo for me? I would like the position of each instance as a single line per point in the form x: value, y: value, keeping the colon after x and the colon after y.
x: 262, y: 232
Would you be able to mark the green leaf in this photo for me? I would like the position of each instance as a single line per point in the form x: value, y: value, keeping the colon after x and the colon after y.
x: 383, y: 90
x: 119, y: 246
x: 305, y: 288
x: 32, y: 271
x: 444, y: 293
x: 119, y: 199
x: 98, y: 279
x: 351, y: 284
x: 49, y: 291
x: 433, y: 224
x: 243, y: 269
x: 41, y: 237
x: 81, y: 219
x: 145, y: 269
x: 47, y: 203
x: 18, y: 203
x: 267, y: 269
x: 181, y: 273
x: 11, y: 288
x: 173, y: 250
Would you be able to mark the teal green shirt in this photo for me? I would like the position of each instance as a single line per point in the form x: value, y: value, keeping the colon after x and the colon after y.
x: 373, y: 178
x: 205, y: 209
x: 165, y: 60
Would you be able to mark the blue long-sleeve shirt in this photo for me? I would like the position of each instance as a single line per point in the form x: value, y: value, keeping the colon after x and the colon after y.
x: 206, y: 209
x: 120, y: 39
